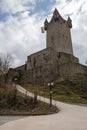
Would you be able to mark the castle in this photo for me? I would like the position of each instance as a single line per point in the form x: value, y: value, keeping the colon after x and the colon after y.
x: 57, y: 59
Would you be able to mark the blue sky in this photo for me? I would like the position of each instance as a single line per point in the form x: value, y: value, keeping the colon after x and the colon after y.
x: 21, y: 21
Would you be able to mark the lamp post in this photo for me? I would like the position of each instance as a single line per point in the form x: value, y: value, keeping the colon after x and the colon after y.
x: 34, y: 85
x: 15, y: 81
x: 50, y: 85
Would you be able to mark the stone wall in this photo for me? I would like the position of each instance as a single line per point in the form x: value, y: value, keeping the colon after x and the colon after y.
x: 66, y: 58
x: 11, y: 74
x: 21, y: 68
x: 40, y: 74
x: 16, y: 72
x: 47, y: 65
x: 49, y: 56
x: 72, y: 69
x: 41, y: 58
x: 50, y: 72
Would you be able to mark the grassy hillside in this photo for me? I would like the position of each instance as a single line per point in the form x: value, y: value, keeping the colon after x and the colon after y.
x: 71, y: 89
x: 14, y: 103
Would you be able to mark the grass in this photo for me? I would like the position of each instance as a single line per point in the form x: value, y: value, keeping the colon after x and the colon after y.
x: 39, y: 109
x: 13, y: 102
x: 71, y: 90
x: 70, y: 99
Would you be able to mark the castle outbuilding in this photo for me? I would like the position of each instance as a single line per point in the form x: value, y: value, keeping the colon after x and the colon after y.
x: 57, y: 59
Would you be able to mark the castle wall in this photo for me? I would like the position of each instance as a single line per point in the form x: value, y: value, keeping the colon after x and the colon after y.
x: 21, y: 68
x: 41, y: 58
x: 42, y: 74
x: 49, y: 56
x: 66, y: 58
x: 11, y: 74
x: 50, y: 72
x: 72, y: 69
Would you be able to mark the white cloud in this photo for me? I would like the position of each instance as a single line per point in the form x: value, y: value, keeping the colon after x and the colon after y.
x: 79, y: 38
x: 13, y: 6
x: 21, y: 36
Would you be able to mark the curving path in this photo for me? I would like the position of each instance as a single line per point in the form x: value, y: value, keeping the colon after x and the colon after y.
x: 71, y: 117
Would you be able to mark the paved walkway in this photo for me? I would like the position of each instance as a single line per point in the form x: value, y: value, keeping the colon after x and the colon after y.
x: 4, y: 119
x: 71, y: 117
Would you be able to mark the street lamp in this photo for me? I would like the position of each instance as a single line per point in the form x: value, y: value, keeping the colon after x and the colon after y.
x: 50, y: 85
x: 15, y: 81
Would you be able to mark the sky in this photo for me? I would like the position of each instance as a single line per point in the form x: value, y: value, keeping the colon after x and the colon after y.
x: 21, y: 21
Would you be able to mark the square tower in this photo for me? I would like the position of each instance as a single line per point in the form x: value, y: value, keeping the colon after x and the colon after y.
x: 58, y: 34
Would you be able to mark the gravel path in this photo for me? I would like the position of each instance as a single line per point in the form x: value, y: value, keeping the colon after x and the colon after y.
x: 71, y: 117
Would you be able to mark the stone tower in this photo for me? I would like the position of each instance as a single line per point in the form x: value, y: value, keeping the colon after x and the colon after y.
x: 58, y: 33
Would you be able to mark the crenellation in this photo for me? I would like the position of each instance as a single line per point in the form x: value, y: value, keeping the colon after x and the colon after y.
x: 46, y: 24
x: 69, y: 22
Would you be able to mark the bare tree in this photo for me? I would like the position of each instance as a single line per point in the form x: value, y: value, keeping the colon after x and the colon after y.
x: 5, y: 64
